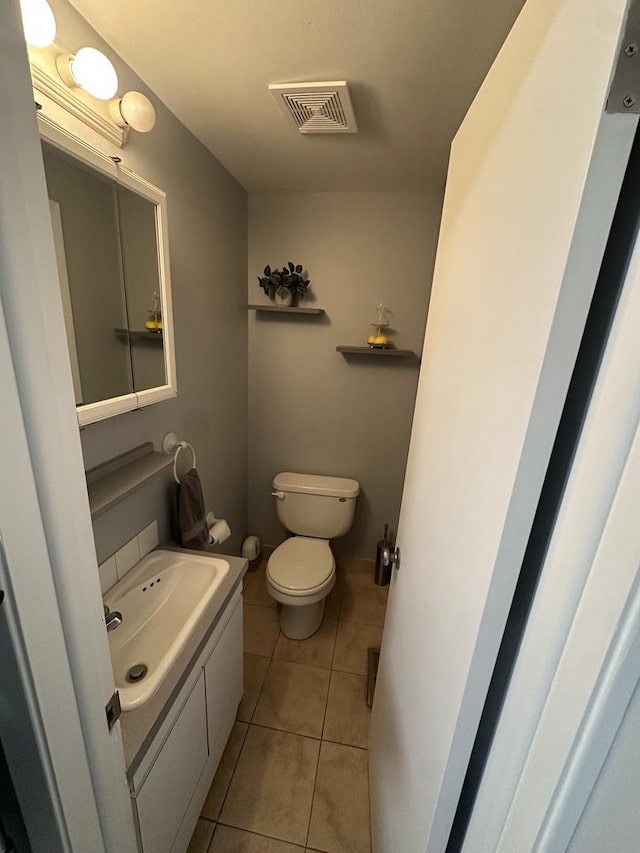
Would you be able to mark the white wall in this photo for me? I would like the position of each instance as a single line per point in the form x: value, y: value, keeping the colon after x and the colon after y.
x: 310, y: 409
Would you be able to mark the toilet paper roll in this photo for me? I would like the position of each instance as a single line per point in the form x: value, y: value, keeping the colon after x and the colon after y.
x: 251, y: 548
x: 219, y: 532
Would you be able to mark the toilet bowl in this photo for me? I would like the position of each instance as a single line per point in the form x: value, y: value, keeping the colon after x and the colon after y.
x: 301, y: 572
x: 300, y: 575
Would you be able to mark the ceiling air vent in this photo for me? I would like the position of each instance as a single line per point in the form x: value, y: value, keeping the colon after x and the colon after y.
x: 316, y: 107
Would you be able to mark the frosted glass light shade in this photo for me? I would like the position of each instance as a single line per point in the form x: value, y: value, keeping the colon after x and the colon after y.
x: 94, y: 73
x: 133, y: 109
x: 38, y: 22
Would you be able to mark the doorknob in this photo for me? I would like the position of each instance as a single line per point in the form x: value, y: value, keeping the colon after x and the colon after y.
x: 391, y: 558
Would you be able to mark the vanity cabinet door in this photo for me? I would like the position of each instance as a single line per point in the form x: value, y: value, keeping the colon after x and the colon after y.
x: 165, y: 793
x: 223, y: 674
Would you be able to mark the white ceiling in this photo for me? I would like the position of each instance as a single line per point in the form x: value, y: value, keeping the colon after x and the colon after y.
x: 413, y: 67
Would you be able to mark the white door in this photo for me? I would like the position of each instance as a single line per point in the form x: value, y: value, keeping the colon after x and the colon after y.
x: 534, y: 176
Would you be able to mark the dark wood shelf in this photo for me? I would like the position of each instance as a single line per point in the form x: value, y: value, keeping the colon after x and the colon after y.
x: 113, y: 481
x: 140, y: 335
x: 276, y: 309
x: 390, y: 352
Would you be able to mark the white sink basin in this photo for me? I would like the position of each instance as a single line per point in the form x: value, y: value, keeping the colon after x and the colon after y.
x: 161, y: 600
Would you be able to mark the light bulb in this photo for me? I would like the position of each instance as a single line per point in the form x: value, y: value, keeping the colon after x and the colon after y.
x: 38, y: 22
x: 93, y: 72
x: 133, y: 109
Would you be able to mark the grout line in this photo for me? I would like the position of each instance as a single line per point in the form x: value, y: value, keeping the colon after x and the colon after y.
x: 335, y: 643
x: 271, y: 658
x: 262, y: 835
x: 213, y: 835
x: 233, y: 772
x: 324, y: 717
x: 313, y: 790
x: 349, y: 745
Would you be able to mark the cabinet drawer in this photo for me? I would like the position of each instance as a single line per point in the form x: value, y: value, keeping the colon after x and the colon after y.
x: 165, y: 794
x: 223, y: 674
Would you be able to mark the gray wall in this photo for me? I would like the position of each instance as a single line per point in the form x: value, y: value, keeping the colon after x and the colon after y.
x: 207, y: 212
x: 310, y: 409
x: 611, y: 819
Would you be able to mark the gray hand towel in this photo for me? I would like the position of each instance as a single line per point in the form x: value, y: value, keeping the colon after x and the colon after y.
x: 192, y: 523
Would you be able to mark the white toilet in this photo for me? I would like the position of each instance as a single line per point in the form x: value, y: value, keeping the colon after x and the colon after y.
x: 301, y: 572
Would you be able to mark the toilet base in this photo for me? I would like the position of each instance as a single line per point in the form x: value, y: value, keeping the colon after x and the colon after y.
x: 299, y: 623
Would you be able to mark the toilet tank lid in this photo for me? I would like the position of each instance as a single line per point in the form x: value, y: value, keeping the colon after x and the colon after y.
x: 315, y: 484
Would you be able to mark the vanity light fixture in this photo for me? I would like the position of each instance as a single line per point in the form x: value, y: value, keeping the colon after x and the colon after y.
x: 90, y: 70
x: 58, y: 75
x: 134, y: 110
x: 38, y: 22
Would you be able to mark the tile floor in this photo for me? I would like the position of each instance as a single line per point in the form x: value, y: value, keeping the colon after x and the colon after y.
x: 294, y: 774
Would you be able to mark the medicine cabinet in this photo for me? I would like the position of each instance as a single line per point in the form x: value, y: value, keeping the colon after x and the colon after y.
x: 112, y: 253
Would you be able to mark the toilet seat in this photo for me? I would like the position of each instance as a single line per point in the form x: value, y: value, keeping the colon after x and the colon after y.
x: 301, y: 566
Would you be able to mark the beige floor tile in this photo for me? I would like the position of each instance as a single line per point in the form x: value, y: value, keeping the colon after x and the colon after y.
x: 363, y: 604
x: 332, y: 602
x: 257, y: 592
x: 357, y: 566
x: 352, y: 642
x: 261, y: 630
x: 230, y: 840
x: 340, y: 815
x: 365, y: 579
x: 315, y: 651
x: 201, y: 837
x: 272, y: 787
x: 255, y: 669
x: 220, y: 784
x: 293, y: 698
x: 347, y: 718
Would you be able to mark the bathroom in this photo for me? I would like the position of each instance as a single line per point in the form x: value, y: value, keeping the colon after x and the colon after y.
x: 260, y: 393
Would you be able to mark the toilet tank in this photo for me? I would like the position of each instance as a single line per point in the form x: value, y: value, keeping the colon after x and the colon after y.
x: 312, y: 505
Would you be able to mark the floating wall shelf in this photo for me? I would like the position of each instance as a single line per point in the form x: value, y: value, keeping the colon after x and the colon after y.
x: 142, y: 335
x: 379, y: 353
x: 275, y: 309
x: 113, y: 481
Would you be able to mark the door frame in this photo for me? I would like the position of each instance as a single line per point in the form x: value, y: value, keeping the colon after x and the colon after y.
x: 553, y: 735
x: 39, y: 719
x: 37, y: 341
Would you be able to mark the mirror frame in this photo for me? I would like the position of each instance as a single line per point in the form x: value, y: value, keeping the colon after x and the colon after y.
x: 112, y: 168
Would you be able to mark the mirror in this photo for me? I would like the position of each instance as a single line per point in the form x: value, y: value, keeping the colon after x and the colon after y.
x: 109, y: 231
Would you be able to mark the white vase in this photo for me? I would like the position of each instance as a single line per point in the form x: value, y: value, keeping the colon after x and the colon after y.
x: 283, y: 301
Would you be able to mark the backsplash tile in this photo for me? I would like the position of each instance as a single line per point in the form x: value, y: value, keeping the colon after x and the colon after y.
x: 108, y: 574
x: 148, y: 538
x: 127, y: 557
x: 116, y: 567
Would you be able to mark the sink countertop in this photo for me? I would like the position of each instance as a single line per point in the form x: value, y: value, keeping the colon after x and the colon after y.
x: 139, y: 726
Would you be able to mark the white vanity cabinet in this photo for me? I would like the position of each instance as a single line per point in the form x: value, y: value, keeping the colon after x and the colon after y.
x: 170, y: 785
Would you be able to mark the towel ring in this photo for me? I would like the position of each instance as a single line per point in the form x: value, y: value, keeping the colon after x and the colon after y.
x: 170, y: 444
x: 182, y: 445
